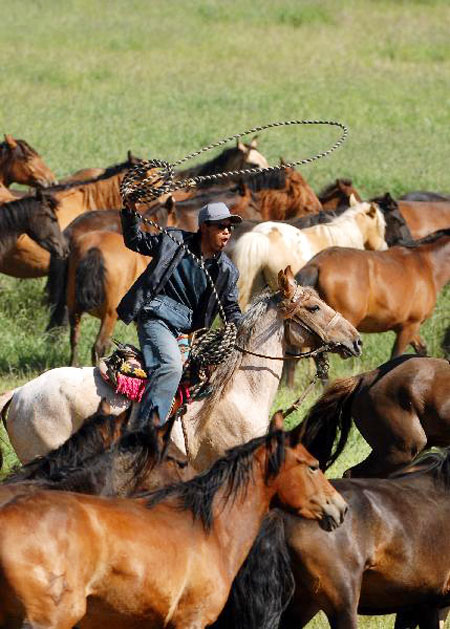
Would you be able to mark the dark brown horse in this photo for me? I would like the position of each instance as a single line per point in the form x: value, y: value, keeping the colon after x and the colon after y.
x: 166, y: 559
x: 400, y: 408
x: 378, y: 291
x: 36, y: 217
x: 337, y: 195
x: 390, y: 556
x: 20, y: 163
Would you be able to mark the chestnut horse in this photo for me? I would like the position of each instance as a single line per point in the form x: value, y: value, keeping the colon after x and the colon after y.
x: 167, y: 558
x: 400, y: 408
x: 391, y: 555
x: 260, y: 253
x: 36, y: 217
x: 293, y: 317
x: 20, y: 163
x: 384, y: 290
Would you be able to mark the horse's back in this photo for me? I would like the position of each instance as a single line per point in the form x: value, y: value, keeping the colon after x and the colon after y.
x: 45, y: 411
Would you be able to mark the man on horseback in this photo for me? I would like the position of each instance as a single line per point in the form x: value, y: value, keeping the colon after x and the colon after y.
x: 174, y: 296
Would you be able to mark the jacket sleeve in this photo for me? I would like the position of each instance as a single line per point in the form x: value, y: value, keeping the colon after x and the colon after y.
x: 230, y: 301
x: 136, y: 239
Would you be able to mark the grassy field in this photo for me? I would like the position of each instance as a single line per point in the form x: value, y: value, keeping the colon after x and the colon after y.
x: 84, y: 81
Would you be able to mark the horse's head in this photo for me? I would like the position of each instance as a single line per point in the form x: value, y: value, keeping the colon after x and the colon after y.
x: 43, y: 226
x: 247, y: 156
x: 23, y: 164
x: 397, y: 231
x: 372, y: 225
x: 310, y: 322
x: 300, y: 485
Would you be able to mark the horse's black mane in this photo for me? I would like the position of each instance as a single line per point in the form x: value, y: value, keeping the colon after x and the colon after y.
x: 116, y: 169
x: 15, y: 215
x: 436, y: 463
x: 426, y: 240
x: 232, y: 472
x: 83, y: 444
x: 275, y: 179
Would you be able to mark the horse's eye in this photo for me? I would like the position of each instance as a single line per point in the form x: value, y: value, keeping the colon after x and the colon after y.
x: 312, y: 308
x: 314, y: 468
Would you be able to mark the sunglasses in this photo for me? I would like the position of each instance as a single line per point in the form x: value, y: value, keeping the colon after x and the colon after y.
x: 222, y: 226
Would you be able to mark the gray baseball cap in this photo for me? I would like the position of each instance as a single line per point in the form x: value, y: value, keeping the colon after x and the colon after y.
x: 214, y: 212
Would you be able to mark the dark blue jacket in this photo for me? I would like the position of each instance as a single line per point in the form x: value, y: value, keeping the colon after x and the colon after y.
x: 166, y: 255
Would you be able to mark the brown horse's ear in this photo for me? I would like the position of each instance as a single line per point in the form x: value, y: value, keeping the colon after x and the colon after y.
x: 170, y: 204
x: 254, y: 142
x: 277, y: 421
x: 241, y: 146
x: 283, y: 162
x: 286, y: 282
x: 10, y: 141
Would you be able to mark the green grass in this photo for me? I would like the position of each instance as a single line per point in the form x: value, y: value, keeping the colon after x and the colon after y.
x: 85, y: 81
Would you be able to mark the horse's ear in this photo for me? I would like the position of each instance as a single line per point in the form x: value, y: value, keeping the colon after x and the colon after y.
x: 277, y: 421
x: 372, y: 211
x: 283, y: 162
x: 10, y: 141
x: 286, y: 282
x: 170, y: 204
x: 254, y: 142
x: 241, y: 146
x: 352, y: 200
x: 104, y: 408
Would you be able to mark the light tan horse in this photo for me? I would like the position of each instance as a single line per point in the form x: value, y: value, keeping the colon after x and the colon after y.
x: 165, y: 560
x: 259, y: 254
x: 244, y: 385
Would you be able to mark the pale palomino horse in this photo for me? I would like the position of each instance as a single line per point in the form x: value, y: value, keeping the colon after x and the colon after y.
x: 47, y: 410
x: 269, y: 246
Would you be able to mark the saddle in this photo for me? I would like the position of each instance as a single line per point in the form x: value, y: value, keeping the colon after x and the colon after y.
x: 124, y: 371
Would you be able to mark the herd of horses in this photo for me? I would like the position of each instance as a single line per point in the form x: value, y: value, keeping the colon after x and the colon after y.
x: 225, y: 519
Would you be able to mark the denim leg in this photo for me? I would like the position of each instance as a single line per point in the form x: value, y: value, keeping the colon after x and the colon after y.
x: 163, y: 362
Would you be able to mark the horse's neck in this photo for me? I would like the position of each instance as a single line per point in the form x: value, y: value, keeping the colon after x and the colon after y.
x: 104, y: 193
x: 237, y: 525
x: 14, y: 220
x: 5, y: 179
x: 350, y: 232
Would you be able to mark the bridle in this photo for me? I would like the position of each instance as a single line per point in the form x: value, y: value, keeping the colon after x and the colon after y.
x: 289, y: 312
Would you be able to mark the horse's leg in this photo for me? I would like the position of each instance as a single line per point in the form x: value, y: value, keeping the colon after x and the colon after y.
x: 75, y: 329
x: 419, y: 345
x: 380, y: 464
x: 102, y: 341
x: 405, y: 335
x: 298, y: 614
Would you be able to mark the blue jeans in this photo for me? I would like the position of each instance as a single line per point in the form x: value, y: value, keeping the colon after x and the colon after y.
x: 163, y: 362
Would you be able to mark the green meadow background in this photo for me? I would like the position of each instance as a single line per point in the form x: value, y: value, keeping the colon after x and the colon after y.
x: 83, y: 81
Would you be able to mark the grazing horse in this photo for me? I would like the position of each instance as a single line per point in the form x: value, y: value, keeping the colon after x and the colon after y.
x: 36, y: 217
x: 400, y: 408
x: 20, y: 163
x: 391, y: 555
x: 167, y: 558
x: 260, y: 253
x: 384, y: 290
x: 68, y: 395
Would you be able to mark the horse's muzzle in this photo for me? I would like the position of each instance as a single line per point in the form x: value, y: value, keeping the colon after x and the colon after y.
x: 333, y: 513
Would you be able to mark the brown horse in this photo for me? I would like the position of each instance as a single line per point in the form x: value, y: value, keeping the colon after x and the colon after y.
x: 100, y: 270
x: 337, y: 195
x: 166, y: 559
x: 20, y: 163
x: 383, y: 290
x: 400, y: 408
x: 391, y: 555
x: 36, y: 217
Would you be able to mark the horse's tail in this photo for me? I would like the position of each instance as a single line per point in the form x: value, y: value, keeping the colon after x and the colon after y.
x: 330, y: 415
x: 308, y: 275
x: 56, y: 291
x: 90, y: 280
x: 250, y: 254
x: 264, y: 585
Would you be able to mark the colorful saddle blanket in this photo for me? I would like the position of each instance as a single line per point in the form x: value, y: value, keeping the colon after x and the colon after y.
x: 124, y: 371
